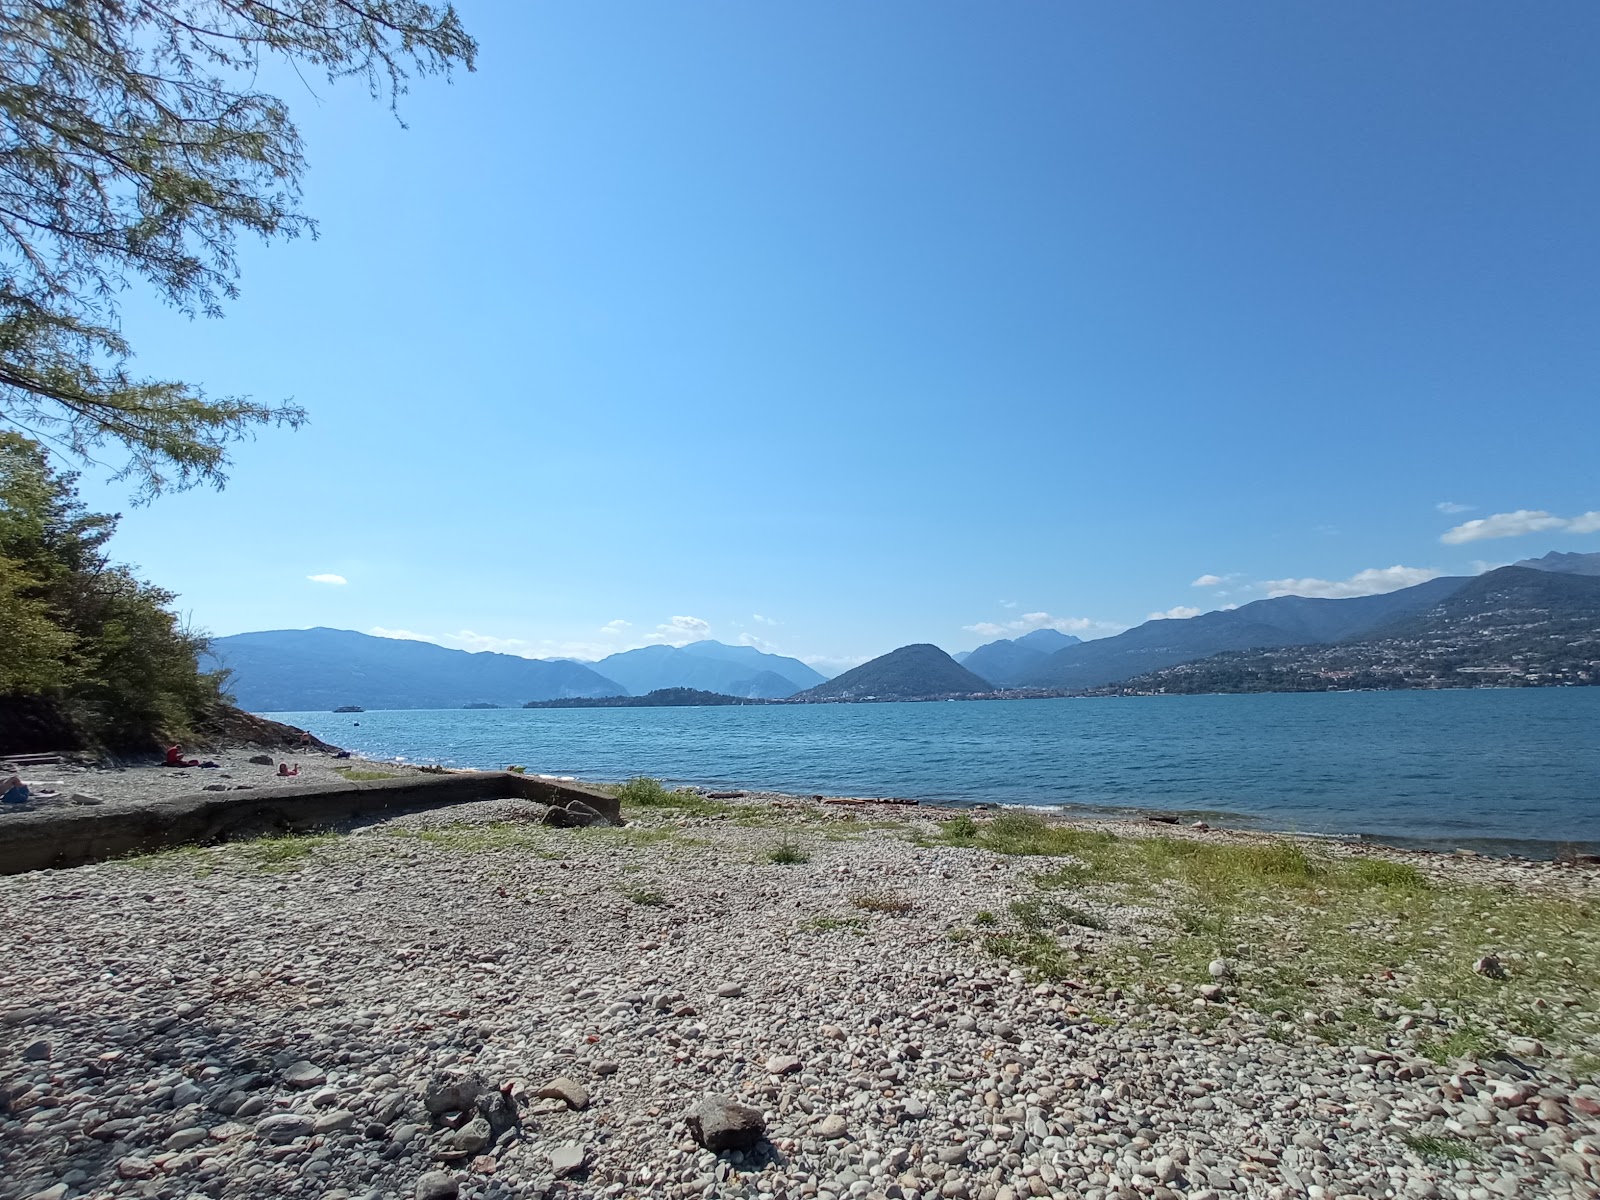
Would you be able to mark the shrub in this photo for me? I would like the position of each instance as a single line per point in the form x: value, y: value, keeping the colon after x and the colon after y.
x: 787, y: 853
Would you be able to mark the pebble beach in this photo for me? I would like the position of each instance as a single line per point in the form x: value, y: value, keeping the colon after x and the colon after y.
x: 465, y: 1003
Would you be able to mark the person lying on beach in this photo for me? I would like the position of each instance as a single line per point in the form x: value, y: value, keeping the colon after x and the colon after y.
x: 285, y: 771
x: 13, y: 791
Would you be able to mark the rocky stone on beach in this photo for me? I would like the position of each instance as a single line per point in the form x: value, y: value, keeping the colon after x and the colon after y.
x: 569, y: 1091
x: 453, y: 1091
x: 721, y: 1123
x: 437, y: 1185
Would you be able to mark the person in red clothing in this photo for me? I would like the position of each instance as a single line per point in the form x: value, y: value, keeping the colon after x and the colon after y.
x: 175, y: 757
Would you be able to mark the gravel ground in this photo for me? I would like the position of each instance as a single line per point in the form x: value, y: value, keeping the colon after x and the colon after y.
x: 139, y: 784
x: 315, y: 1018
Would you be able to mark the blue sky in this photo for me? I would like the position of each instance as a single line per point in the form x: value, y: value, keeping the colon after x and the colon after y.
x: 909, y: 322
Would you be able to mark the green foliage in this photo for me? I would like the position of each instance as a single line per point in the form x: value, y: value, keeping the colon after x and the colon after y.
x: 80, y: 631
x: 646, y: 896
x: 138, y: 148
x: 1440, y: 1149
x: 787, y: 853
x: 643, y: 792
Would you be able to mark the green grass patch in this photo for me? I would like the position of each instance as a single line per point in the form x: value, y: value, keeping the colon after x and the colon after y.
x: 646, y: 897
x: 787, y: 853
x: 1357, y: 940
x: 363, y: 774
x: 642, y: 792
x: 1440, y: 1149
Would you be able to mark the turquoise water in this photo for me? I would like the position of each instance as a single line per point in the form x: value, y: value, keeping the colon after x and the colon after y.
x: 1501, y: 771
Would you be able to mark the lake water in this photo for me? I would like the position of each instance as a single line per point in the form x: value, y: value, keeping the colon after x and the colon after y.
x: 1512, y: 771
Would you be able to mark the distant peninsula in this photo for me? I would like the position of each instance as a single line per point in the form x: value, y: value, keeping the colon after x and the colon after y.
x: 674, y: 697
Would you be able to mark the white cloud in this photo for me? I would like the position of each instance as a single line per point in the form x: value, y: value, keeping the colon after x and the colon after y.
x: 1210, y: 580
x: 403, y: 635
x: 1451, y: 507
x: 466, y: 639
x: 760, y: 620
x: 615, y: 628
x: 1028, y: 622
x: 1008, y: 604
x: 1371, y: 582
x: 680, y: 631
x: 336, y: 580
x: 1516, y: 524
x: 761, y: 644
x: 1178, y: 612
x: 1482, y: 566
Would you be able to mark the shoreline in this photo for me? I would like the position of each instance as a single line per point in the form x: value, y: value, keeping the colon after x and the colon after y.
x: 916, y: 1008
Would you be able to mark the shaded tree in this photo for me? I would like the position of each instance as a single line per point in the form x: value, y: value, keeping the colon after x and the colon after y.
x: 134, y: 147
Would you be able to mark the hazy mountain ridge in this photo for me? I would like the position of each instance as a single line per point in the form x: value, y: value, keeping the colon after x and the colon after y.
x: 708, y: 666
x: 917, y: 672
x: 1514, y: 626
x: 295, y: 670
x: 1278, y: 621
x: 1009, y: 661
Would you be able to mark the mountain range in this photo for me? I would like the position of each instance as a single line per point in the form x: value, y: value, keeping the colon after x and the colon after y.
x: 1513, y: 626
x: 308, y: 669
x: 1009, y: 661
x: 707, y: 666
x: 301, y: 670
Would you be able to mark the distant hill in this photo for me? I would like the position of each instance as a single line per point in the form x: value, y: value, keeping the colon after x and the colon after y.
x: 708, y: 666
x: 1514, y: 626
x: 1009, y: 661
x: 920, y: 672
x: 1564, y: 564
x: 296, y: 670
x: 1280, y: 621
x: 662, y: 698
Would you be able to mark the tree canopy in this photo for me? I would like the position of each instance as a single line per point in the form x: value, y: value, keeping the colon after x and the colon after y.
x: 83, y: 634
x: 134, y: 147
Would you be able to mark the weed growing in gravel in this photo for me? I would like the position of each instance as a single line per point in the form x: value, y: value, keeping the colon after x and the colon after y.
x: 646, y: 897
x: 362, y: 774
x: 1440, y: 1149
x: 282, y: 853
x: 787, y: 853
x: 883, y: 902
x: 644, y: 792
x: 1356, y: 942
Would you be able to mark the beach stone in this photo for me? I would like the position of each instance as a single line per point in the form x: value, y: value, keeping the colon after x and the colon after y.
x: 567, y: 1159
x: 304, y: 1074
x: 471, y: 1137
x: 283, y: 1127
x: 334, y: 1121
x: 782, y: 1064
x: 437, y: 1185
x: 453, y: 1091
x: 1525, y: 1047
x: 730, y: 991
x: 833, y: 1126
x: 570, y: 1091
x: 36, y: 1052
x: 1220, y: 968
x: 721, y: 1123
x: 85, y: 799
x: 261, y: 760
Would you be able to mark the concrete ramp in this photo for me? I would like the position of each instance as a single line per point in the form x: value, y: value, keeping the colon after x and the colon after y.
x: 71, y: 837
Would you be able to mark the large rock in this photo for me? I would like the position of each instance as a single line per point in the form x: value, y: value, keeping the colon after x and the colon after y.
x: 438, y: 1185
x: 283, y: 1127
x: 453, y: 1091
x: 571, y: 1091
x: 721, y: 1123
